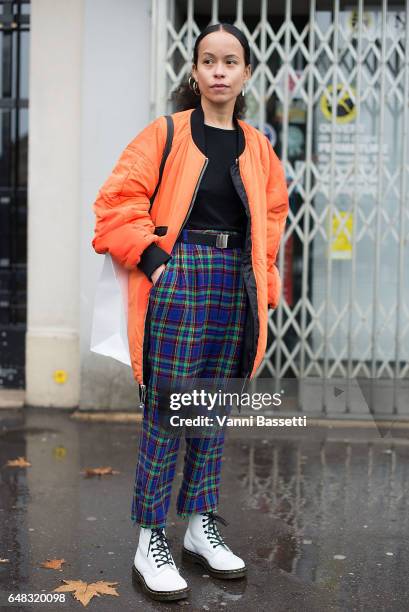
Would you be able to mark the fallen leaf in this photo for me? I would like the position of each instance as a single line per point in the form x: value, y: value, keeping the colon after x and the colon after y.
x: 19, y: 462
x: 53, y: 563
x: 99, y: 471
x: 84, y: 592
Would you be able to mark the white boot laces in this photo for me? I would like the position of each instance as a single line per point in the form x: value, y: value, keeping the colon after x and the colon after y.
x: 212, y: 533
x: 160, y: 548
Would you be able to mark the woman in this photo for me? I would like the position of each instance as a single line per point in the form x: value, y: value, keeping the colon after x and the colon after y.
x: 202, y: 276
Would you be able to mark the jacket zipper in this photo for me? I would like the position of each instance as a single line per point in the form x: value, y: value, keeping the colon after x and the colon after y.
x: 142, y: 394
x: 242, y: 387
x: 142, y: 386
x: 194, y: 197
x: 255, y: 343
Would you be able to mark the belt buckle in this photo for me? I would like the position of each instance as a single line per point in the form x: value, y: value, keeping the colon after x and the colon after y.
x: 221, y: 240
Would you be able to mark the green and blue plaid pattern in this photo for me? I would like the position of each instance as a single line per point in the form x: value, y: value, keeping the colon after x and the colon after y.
x: 197, y: 311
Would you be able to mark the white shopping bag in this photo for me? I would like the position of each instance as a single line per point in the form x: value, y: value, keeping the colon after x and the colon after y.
x: 109, y: 335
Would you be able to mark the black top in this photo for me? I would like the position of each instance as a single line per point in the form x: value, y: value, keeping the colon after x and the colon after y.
x: 217, y: 204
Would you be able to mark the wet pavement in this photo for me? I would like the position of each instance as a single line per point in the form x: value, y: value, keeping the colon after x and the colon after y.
x: 319, y: 515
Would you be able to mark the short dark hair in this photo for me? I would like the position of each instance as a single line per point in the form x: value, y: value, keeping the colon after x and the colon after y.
x: 185, y: 98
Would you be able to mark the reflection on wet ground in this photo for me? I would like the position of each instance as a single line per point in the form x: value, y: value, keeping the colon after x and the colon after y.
x: 321, y: 516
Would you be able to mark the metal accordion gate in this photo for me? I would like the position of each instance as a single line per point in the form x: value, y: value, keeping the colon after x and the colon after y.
x: 330, y: 89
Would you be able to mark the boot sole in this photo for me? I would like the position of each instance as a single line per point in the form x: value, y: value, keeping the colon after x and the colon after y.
x: 158, y: 595
x: 189, y: 555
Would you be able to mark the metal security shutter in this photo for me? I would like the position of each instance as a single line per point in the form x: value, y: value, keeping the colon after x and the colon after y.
x: 330, y: 88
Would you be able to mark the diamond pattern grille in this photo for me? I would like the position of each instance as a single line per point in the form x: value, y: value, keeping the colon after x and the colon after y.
x: 349, y: 312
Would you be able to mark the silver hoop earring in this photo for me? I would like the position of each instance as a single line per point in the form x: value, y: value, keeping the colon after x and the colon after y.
x: 195, y: 87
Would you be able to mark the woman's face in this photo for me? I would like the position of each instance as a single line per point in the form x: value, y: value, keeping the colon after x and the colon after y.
x: 220, y: 62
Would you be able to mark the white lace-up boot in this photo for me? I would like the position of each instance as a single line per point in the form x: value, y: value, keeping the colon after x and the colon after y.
x: 203, y: 544
x: 155, y: 569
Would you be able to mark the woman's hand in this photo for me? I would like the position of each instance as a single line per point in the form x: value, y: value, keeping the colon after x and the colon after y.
x: 156, y: 273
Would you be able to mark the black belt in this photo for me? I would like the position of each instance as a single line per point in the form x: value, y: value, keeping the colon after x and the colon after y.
x: 222, y: 240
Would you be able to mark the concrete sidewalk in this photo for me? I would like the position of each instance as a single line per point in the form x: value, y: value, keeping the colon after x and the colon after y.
x: 320, y: 515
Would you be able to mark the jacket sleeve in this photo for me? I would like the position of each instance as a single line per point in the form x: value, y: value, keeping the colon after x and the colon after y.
x: 124, y: 227
x: 277, y: 212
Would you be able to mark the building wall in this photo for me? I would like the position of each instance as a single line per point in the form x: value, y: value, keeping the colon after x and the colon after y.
x: 89, y: 97
x: 115, y: 107
x: 52, y: 339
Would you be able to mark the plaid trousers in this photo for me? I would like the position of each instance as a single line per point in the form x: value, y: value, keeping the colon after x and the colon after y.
x: 197, y: 311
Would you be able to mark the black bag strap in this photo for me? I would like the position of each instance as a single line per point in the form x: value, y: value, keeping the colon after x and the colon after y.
x: 166, y: 151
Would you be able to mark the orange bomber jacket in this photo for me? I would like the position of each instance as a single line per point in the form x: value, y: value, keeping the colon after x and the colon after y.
x: 141, y: 237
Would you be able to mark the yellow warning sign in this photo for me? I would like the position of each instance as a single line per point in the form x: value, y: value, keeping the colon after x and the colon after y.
x: 353, y: 20
x: 346, y: 109
x: 341, y: 237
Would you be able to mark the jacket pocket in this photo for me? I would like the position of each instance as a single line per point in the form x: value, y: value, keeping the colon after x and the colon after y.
x: 161, y: 277
x: 161, y: 230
